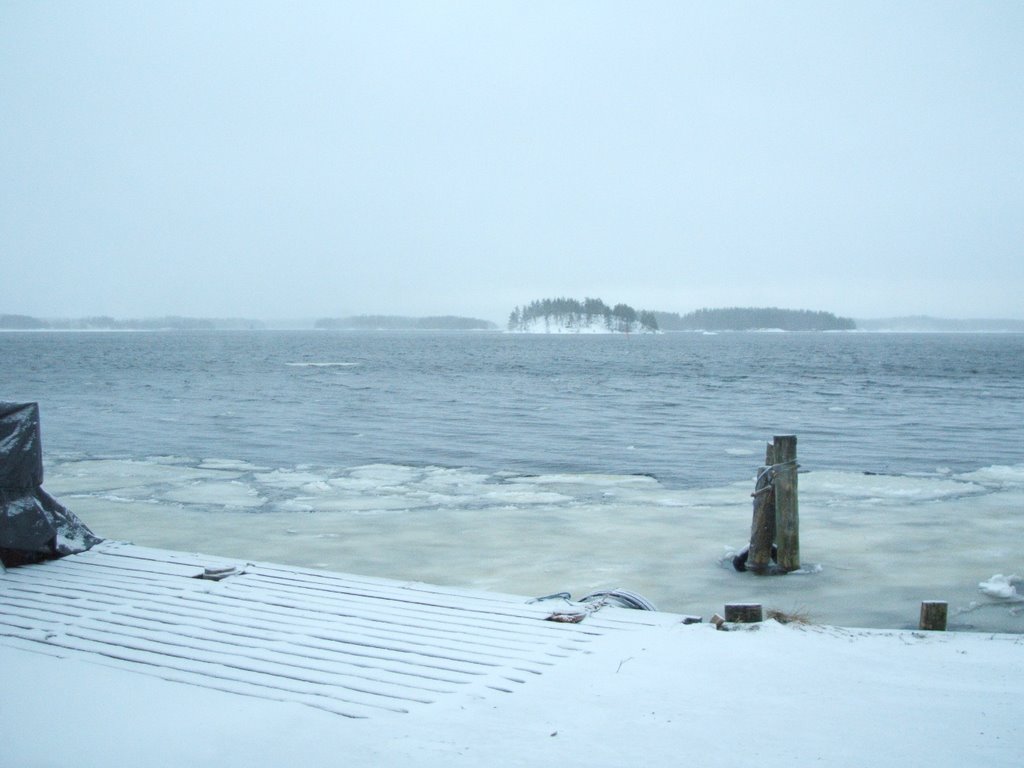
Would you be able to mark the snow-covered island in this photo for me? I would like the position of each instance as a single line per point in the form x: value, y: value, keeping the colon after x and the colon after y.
x: 573, y: 316
x: 594, y: 316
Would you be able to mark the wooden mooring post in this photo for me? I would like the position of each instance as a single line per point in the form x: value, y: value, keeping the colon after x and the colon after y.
x: 762, y: 529
x: 775, y: 528
x: 787, y: 516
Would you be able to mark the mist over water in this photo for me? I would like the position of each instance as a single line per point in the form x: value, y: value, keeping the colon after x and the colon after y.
x: 539, y: 464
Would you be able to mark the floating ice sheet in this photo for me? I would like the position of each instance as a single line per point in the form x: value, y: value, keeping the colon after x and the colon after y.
x: 873, y: 546
x: 1002, y: 587
x: 830, y: 486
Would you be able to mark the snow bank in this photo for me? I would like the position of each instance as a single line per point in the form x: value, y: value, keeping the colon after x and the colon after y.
x: 669, y: 696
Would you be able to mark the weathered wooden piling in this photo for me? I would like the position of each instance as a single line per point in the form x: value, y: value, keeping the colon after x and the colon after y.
x: 933, y: 615
x: 762, y: 529
x: 787, y: 517
x: 775, y: 528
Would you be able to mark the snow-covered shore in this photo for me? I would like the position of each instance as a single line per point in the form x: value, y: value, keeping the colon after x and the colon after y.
x: 768, y: 695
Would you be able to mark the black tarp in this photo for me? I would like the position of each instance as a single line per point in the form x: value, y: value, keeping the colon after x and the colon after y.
x: 33, y: 525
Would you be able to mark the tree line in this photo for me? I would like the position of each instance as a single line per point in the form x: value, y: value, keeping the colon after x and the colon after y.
x: 398, y: 323
x: 573, y: 314
x: 106, y: 323
x: 754, y: 318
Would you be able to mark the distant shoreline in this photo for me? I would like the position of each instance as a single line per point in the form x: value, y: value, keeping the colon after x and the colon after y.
x: 500, y: 332
x: 893, y: 325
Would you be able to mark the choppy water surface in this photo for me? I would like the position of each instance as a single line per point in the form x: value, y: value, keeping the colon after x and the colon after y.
x: 535, y: 464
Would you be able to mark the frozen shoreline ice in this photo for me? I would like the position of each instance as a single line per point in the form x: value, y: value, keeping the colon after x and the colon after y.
x: 873, y: 546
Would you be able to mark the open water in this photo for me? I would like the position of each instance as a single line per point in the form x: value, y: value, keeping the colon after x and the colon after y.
x: 535, y: 464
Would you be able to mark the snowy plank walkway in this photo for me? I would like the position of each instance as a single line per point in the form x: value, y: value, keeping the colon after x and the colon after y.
x: 351, y: 645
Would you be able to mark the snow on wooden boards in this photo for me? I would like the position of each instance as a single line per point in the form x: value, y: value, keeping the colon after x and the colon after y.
x: 352, y: 645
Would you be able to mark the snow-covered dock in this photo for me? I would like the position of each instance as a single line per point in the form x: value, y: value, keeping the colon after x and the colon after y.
x: 354, y: 646
x: 125, y: 655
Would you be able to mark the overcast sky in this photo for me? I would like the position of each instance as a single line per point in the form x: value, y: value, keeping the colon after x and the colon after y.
x: 276, y: 160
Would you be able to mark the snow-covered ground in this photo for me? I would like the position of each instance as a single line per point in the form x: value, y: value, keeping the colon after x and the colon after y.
x: 767, y: 695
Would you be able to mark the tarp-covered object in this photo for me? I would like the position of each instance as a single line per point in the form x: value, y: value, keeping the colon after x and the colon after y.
x: 33, y: 525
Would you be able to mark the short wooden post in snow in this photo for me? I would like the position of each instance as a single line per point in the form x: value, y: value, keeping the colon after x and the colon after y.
x: 744, y: 613
x: 787, y: 516
x: 933, y: 615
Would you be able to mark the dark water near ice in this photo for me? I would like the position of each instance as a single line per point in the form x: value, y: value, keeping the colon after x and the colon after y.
x: 536, y: 464
x: 692, y: 410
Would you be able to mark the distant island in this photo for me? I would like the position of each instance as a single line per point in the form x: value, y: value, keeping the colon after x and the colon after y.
x: 398, y: 323
x: 11, y: 322
x: 544, y: 316
x: 924, y: 324
x: 573, y: 316
x: 754, y: 319
x: 594, y: 316
x: 105, y: 323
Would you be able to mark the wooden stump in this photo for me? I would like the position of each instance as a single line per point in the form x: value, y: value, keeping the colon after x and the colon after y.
x: 744, y: 613
x: 933, y: 615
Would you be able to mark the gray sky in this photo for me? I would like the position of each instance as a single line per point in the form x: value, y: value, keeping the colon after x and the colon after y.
x: 272, y: 159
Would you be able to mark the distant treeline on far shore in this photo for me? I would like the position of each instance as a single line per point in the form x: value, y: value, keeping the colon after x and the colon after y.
x: 175, y: 323
x: 104, y: 323
x: 399, y: 323
x: 752, y: 319
x: 573, y: 314
x: 621, y: 317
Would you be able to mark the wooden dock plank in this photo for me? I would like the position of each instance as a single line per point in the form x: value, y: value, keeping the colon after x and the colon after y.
x: 351, y: 645
x: 239, y: 611
x: 202, y: 674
